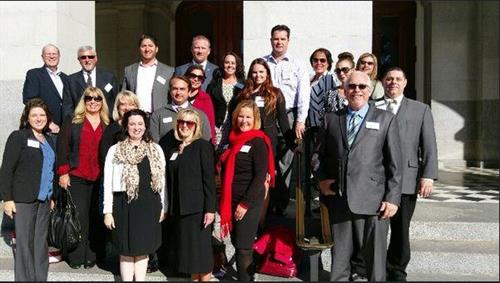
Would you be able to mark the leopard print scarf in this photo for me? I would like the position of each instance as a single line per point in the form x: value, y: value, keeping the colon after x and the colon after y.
x: 130, y: 155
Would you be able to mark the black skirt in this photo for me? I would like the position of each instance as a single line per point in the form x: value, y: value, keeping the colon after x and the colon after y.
x: 138, y: 231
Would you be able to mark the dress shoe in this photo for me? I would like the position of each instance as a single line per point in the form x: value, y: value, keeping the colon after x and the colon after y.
x: 89, y: 264
x: 75, y: 266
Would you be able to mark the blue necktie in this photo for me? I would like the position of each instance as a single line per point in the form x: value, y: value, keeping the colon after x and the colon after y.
x: 351, y: 131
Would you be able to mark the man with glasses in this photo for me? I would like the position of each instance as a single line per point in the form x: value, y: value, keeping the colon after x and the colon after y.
x: 200, y: 48
x: 47, y: 83
x: 89, y: 75
x: 360, y: 178
x: 292, y: 79
x: 419, y: 151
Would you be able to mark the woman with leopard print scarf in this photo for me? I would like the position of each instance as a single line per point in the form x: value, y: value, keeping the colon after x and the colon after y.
x: 134, y: 195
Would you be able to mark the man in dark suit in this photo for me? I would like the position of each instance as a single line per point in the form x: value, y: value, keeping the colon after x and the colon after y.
x: 360, y: 178
x: 149, y: 78
x: 89, y: 75
x: 419, y: 167
x: 200, y: 48
x: 47, y: 83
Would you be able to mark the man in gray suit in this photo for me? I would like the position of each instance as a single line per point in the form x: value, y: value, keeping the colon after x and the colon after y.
x: 419, y: 167
x: 200, y: 48
x: 163, y: 118
x: 149, y: 78
x: 360, y: 178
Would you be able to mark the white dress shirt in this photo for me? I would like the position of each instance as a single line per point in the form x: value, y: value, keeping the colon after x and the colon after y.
x: 92, y: 76
x: 145, y: 80
x: 293, y: 80
x: 56, y: 79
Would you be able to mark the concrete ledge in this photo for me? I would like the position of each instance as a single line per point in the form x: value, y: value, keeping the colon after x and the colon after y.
x: 454, y: 231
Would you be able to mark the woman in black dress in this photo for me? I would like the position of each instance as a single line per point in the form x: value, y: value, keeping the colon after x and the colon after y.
x: 191, y: 191
x: 134, y: 189
x: 245, y: 164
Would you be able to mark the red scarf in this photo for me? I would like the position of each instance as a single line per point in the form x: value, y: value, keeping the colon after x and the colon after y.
x: 236, y: 140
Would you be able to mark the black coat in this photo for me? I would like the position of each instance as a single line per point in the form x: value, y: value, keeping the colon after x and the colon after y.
x: 192, y: 175
x: 21, y: 169
x: 214, y: 89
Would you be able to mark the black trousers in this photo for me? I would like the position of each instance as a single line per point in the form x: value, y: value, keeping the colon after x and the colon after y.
x: 85, y: 195
x: 32, y: 253
x: 398, y: 254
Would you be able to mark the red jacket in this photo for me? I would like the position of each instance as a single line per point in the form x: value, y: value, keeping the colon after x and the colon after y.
x: 204, y: 103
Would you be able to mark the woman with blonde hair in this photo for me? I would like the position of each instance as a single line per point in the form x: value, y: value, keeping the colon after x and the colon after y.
x: 367, y: 63
x: 79, y: 168
x: 191, y: 194
x: 134, y: 195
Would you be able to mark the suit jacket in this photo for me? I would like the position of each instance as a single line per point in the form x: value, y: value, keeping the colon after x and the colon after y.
x: 209, y: 71
x: 214, y: 89
x: 39, y: 84
x: 160, y: 90
x: 105, y: 80
x: 418, y: 143
x: 162, y: 120
x: 191, y: 176
x: 22, y: 167
x: 370, y: 171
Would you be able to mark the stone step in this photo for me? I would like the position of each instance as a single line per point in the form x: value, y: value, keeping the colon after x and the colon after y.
x: 454, y: 231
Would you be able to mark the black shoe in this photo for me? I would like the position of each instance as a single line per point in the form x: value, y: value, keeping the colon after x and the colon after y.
x: 75, y: 266
x: 89, y: 264
x: 358, y: 277
x: 153, y: 267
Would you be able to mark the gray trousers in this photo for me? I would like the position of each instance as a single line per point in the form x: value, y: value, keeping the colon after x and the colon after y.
x: 32, y: 252
x: 368, y: 231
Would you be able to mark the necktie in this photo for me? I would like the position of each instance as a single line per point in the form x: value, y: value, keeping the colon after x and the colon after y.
x: 351, y: 131
x: 392, y: 106
x: 89, y: 79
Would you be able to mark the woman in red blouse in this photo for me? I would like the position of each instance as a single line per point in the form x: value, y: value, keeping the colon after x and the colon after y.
x: 79, y: 169
x: 200, y: 99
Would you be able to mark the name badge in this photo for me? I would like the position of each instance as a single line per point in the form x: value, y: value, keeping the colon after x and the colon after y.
x: 167, y: 120
x: 108, y: 87
x: 32, y: 143
x: 161, y: 80
x: 245, y: 148
x: 259, y: 100
x: 174, y: 156
x: 380, y: 103
x: 372, y: 125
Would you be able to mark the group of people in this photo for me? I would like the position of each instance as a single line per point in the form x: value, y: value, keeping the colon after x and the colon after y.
x: 149, y: 162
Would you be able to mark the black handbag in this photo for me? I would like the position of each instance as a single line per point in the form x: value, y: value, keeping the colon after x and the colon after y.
x: 64, y: 230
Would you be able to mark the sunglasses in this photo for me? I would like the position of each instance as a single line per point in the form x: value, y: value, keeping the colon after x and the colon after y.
x: 353, y: 86
x: 321, y: 60
x: 199, y: 77
x: 83, y: 57
x: 343, y: 70
x: 189, y: 124
x: 88, y: 98
x: 369, y: 63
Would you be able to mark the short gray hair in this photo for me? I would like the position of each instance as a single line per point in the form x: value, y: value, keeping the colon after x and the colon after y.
x: 50, y: 45
x: 363, y: 74
x: 85, y: 48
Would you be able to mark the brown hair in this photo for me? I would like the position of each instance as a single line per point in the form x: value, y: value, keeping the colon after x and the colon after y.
x: 34, y: 103
x: 270, y: 93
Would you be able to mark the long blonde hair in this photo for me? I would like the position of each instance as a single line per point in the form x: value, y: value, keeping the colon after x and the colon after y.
x: 80, y: 109
x: 128, y: 96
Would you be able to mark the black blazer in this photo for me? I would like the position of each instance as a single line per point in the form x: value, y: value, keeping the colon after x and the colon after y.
x: 193, y: 176
x: 214, y: 89
x: 39, y: 84
x: 22, y: 167
x: 77, y: 84
x: 68, y: 143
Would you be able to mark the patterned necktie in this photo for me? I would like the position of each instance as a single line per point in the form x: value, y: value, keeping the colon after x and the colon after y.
x: 89, y: 79
x: 392, y: 106
x: 351, y: 131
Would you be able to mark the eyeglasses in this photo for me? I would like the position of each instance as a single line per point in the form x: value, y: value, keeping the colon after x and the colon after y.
x: 83, y: 57
x: 321, y: 60
x: 189, y: 124
x: 88, y: 98
x: 369, y: 63
x: 344, y: 70
x: 194, y: 76
x: 353, y: 86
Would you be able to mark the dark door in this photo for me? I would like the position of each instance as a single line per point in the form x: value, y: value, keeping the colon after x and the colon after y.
x: 394, y: 38
x: 219, y: 21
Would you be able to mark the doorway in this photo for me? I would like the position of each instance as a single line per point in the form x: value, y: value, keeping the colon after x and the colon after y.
x: 394, y: 39
x: 219, y: 21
